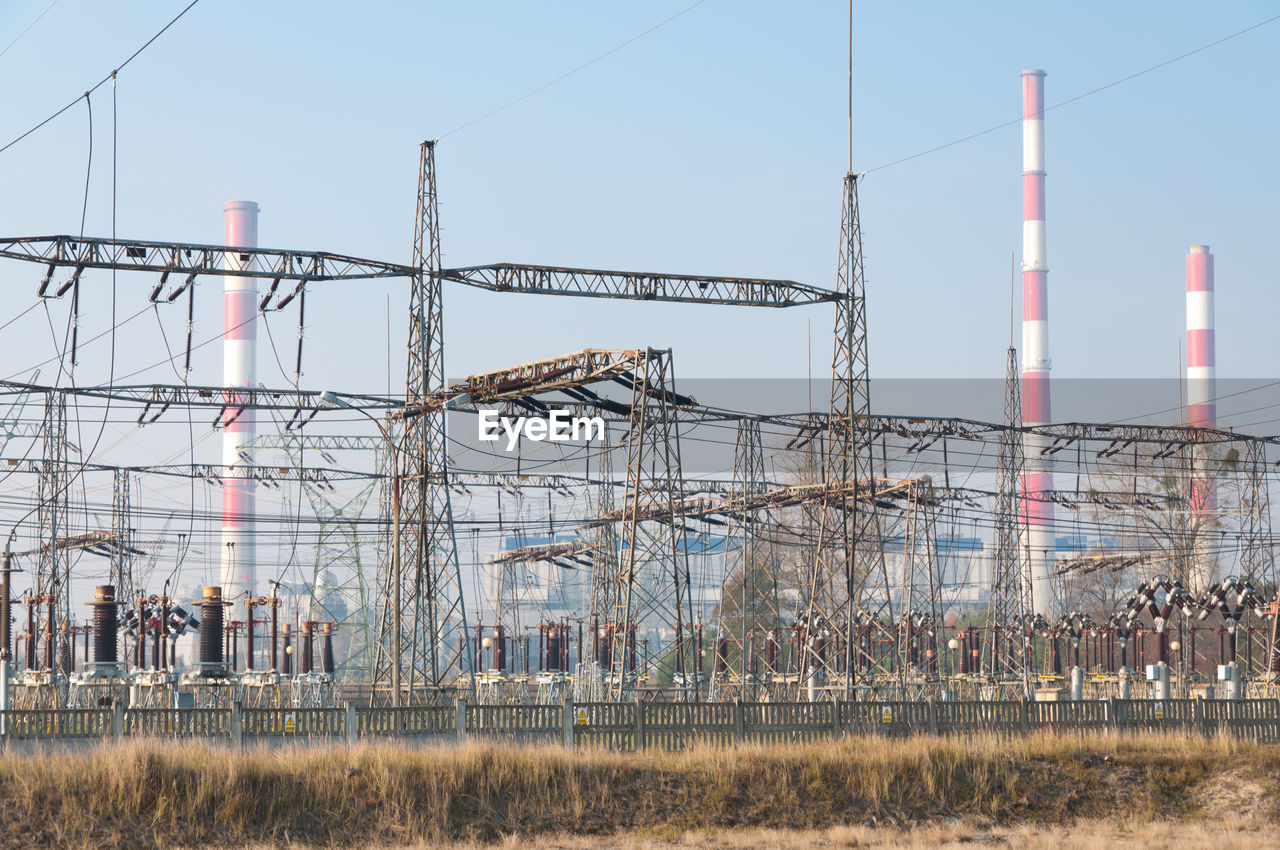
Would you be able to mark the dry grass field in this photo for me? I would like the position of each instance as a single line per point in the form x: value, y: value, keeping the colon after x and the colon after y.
x: 1133, y: 791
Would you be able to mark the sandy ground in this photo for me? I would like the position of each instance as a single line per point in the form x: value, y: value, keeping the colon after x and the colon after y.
x: 1218, y: 835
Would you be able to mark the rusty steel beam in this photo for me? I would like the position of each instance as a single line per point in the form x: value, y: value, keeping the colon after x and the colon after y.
x: 565, y: 372
x: 1112, y: 562
x: 91, y: 540
x: 543, y: 552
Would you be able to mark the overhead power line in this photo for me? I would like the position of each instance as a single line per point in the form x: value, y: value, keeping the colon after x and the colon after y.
x: 1081, y: 96
x: 104, y: 80
x: 570, y: 73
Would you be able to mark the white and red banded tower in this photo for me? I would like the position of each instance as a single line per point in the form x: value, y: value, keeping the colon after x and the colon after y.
x: 239, y: 356
x: 1037, y: 477
x: 1202, y: 408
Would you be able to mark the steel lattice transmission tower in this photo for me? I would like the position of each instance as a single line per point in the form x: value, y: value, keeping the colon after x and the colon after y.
x: 1257, y: 560
x: 920, y: 594
x: 122, y: 530
x: 849, y: 556
x: 53, y: 578
x: 1005, y: 652
x: 604, y: 567
x: 1257, y: 557
x: 653, y: 589
x: 429, y: 650
x: 749, y: 590
x: 339, y: 590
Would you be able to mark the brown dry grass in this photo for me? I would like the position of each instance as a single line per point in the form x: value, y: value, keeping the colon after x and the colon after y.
x: 854, y: 793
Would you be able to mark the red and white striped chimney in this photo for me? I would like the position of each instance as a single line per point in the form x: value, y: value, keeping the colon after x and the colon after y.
x: 1202, y: 408
x: 1036, y: 477
x: 239, y: 356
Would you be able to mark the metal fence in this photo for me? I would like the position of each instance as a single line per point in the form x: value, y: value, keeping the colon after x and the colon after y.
x: 628, y: 726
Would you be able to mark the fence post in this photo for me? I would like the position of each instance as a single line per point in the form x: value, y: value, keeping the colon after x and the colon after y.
x: 739, y: 721
x: 932, y: 708
x: 566, y: 722
x: 117, y: 720
x: 837, y: 709
x: 1112, y: 720
x: 460, y: 719
x: 1026, y: 716
x: 353, y: 734
x: 237, y: 725
x: 639, y: 733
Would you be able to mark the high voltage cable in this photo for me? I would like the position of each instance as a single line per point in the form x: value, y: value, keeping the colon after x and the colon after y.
x: 28, y: 28
x: 1082, y: 96
x: 109, y: 76
x: 568, y: 74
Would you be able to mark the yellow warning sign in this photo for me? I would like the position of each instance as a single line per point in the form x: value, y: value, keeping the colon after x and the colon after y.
x: 886, y: 714
x: 290, y: 724
x: 1159, y: 710
x: 580, y: 715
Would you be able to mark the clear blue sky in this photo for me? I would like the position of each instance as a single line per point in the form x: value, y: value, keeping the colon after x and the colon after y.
x: 714, y: 145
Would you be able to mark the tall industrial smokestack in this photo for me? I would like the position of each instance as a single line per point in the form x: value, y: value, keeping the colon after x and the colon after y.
x: 1202, y: 409
x: 239, y: 356
x: 1036, y: 477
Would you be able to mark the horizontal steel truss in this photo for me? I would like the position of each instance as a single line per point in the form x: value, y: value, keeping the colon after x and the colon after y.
x: 213, y: 473
x: 156, y: 399
x: 189, y: 258
x: 642, y: 286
